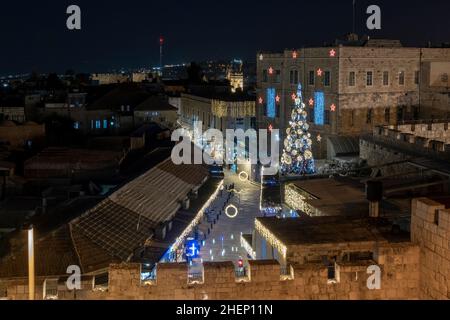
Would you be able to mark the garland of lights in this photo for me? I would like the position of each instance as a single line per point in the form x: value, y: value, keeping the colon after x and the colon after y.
x: 235, y: 109
x: 274, y: 241
x: 196, y: 220
x: 297, y: 156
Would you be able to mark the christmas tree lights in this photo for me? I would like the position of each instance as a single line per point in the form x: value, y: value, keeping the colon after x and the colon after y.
x: 297, y: 158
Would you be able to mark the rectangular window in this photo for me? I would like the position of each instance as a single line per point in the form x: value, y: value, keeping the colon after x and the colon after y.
x: 327, y: 117
x: 98, y: 124
x: 319, y: 108
x: 277, y: 76
x: 352, y: 79
x: 311, y: 78
x: 369, y: 78
x: 369, y: 116
x: 293, y: 77
x: 417, y: 77
x: 271, y: 104
x: 385, y: 78
x: 387, y: 115
x: 401, y: 78
x: 311, y: 115
x: 436, y: 217
x: 105, y: 124
x: 264, y: 75
x: 327, y: 79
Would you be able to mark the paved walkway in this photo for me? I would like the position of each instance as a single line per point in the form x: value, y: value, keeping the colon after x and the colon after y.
x: 224, y: 240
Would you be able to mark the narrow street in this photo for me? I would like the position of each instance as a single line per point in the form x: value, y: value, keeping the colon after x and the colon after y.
x: 223, y: 243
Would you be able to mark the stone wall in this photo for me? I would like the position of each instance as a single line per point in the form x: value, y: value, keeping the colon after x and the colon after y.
x: 430, y: 227
x: 389, y: 144
x: 264, y: 280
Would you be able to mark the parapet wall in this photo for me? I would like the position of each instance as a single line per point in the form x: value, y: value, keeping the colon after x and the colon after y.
x: 433, y: 139
x: 263, y: 280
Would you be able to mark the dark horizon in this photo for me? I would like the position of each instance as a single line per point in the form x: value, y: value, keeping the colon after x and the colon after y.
x: 116, y: 35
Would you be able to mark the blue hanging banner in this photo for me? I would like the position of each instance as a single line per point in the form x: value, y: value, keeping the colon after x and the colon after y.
x: 271, y: 103
x: 319, y: 108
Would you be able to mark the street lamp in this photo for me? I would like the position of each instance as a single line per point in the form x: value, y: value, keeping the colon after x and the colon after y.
x: 31, y: 271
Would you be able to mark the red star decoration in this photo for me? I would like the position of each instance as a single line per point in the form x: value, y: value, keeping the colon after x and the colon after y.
x: 260, y: 100
x: 270, y: 70
x: 277, y: 99
x: 270, y: 128
x: 332, y: 53
x: 294, y: 96
x: 333, y: 107
x: 311, y: 102
x: 294, y: 55
x: 319, y: 72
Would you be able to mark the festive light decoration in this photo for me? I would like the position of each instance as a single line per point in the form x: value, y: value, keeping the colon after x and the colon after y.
x: 243, y: 176
x: 271, y: 238
x: 270, y: 70
x: 196, y: 220
x: 261, y: 57
x: 294, y: 55
x: 296, y: 199
x: 277, y: 99
x: 311, y: 102
x: 319, y: 108
x: 333, y: 108
x: 294, y: 96
x: 271, y: 108
x: 297, y: 156
x: 332, y: 53
x: 270, y: 128
x: 260, y: 100
x: 233, y: 208
x: 319, y: 138
x: 248, y: 248
x: 234, y: 109
x: 319, y: 72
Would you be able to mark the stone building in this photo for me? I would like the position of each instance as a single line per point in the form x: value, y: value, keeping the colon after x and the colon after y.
x: 21, y: 135
x: 156, y: 109
x: 350, y: 88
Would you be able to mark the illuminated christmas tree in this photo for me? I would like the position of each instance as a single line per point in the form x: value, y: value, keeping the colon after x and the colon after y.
x: 297, y: 158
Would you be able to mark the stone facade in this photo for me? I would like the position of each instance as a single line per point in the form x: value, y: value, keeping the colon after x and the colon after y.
x: 402, y: 86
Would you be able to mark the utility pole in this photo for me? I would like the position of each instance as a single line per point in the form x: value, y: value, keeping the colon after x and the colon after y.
x: 31, y: 274
x: 161, y: 43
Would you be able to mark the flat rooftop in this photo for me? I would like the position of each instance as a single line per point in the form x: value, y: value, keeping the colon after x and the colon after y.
x: 330, y: 230
x: 334, y: 197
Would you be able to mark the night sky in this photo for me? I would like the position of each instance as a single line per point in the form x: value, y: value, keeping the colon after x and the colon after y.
x: 119, y: 34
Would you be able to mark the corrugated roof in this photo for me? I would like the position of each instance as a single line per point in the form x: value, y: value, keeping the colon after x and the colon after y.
x: 113, y: 229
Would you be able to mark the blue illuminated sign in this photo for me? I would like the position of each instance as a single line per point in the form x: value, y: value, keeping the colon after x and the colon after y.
x: 319, y: 108
x: 192, y: 248
x: 271, y: 107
